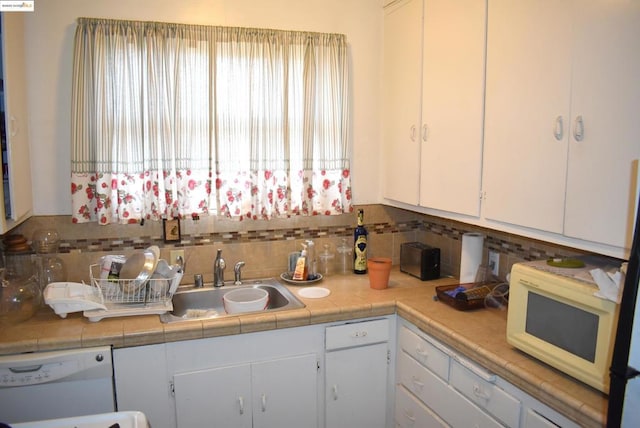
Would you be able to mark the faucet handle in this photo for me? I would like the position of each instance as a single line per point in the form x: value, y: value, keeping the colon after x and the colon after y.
x: 237, y: 270
x: 180, y: 264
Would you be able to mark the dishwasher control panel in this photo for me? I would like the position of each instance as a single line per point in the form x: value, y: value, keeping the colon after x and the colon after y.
x: 55, y: 366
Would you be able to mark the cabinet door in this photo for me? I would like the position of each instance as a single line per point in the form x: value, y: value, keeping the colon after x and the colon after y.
x: 142, y: 383
x: 606, y: 94
x: 401, y: 100
x: 452, y: 105
x: 214, y: 397
x: 356, y: 387
x: 527, y: 112
x: 285, y: 392
x: 17, y: 204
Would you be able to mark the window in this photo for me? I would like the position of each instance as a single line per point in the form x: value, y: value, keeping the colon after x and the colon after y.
x: 173, y: 120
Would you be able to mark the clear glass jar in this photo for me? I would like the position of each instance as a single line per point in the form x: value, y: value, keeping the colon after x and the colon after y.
x: 325, y: 265
x: 45, y: 241
x: 20, y: 294
x: 345, y: 257
x: 53, y: 270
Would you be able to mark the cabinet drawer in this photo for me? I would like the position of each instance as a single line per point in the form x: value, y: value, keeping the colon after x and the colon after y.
x: 481, y: 390
x: 422, y: 383
x: 411, y: 412
x: 448, y: 404
x: 357, y: 334
x: 424, y: 352
x: 534, y: 420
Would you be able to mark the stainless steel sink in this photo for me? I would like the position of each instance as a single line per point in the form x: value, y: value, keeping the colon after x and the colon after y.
x: 206, y: 302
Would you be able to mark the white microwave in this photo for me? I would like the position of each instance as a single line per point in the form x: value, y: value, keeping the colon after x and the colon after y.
x: 554, y: 316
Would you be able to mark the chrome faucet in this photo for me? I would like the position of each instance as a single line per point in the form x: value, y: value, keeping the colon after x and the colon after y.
x: 237, y: 270
x: 218, y: 270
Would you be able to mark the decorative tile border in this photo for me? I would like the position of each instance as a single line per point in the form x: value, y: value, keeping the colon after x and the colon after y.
x: 518, y: 247
x: 511, y: 245
x: 106, y: 244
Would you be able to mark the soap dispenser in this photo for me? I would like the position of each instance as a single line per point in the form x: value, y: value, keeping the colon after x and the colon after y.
x: 301, y: 271
x: 311, y: 260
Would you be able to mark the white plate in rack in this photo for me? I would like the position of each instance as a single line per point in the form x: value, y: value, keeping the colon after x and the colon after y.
x: 137, y: 269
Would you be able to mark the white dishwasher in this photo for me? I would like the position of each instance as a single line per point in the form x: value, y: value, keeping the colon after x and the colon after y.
x: 56, y: 384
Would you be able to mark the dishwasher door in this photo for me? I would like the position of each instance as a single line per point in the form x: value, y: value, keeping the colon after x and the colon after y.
x: 57, y: 384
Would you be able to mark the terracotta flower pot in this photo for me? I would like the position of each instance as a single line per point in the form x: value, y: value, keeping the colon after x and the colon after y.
x: 379, y: 269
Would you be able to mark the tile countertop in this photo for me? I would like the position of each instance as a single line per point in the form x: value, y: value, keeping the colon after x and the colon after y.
x: 478, y: 334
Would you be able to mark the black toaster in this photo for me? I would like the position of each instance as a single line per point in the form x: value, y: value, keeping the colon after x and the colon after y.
x: 420, y: 260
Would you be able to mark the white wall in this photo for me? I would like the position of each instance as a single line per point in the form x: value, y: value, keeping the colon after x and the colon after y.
x: 49, y: 52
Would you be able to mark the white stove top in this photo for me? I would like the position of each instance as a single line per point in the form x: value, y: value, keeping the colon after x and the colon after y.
x: 103, y: 420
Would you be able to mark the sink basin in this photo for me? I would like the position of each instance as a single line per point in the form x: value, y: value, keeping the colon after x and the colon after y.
x: 206, y: 302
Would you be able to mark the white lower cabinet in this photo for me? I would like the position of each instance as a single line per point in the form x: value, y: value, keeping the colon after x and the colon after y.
x: 438, y: 395
x: 436, y: 386
x: 327, y: 375
x: 411, y: 412
x: 264, y: 379
x: 141, y: 383
x: 277, y: 393
x: 533, y: 419
x: 231, y: 401
x: 480, y: 388
x: 357, y: 374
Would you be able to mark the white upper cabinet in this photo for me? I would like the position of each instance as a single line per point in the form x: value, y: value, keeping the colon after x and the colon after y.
x: 434, y: 53
x: 453, y: 64
x: 16, y: 190
x: 528, y: 90
x: 561, y: 134
x: 604, y: 138
x: 401, y: 101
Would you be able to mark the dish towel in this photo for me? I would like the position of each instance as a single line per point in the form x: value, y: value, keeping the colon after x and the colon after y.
x: 608, y: 284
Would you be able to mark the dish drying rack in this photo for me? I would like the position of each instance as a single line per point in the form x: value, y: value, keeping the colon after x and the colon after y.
x: 124, y: 291
x: 123, y: 297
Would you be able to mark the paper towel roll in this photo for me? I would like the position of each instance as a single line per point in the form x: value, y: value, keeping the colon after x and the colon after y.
x: 471, y: 256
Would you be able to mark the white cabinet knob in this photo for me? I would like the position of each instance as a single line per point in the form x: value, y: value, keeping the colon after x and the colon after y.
x: 578, y: 129
x: 558, y: 131
x: 241, y: 404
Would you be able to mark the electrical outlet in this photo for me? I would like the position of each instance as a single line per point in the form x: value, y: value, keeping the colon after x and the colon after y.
x: 494, y: 262
x: 173, y: 256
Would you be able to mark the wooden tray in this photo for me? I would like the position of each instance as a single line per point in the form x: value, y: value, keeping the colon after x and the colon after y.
x: 465, y: 304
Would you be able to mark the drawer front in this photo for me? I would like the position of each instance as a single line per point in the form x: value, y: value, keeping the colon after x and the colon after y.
x: 357, y: 334
x: 412, y: 413
x: 424, y: 352
x: 485, y: 394
x: 534, y: 420
x: 443, y: 400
